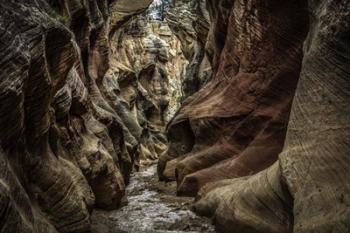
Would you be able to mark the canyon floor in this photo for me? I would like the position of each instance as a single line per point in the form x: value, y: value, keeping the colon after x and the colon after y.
x: 152, y: 207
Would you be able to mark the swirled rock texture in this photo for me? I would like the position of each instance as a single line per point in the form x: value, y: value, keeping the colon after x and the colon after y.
x: 65, y: 149
x: 190, y: 22
x: 147, y: 67
x: 239, y: 119
x: 263, y: 162
x: 259, y: 88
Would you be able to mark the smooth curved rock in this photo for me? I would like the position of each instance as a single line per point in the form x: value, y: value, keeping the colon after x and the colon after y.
x: 307, y: 189
x: 245, y: 108
x: 64, y: 149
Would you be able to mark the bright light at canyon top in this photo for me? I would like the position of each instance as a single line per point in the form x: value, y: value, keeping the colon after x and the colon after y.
x: 158, y: 9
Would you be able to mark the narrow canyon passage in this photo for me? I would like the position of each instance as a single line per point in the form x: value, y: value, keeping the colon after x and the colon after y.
x: 152, y: 207
x: 149, y: 61
x: 174, y: 116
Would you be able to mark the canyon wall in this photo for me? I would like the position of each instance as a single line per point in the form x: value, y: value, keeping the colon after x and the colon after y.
x: 68, y: 138
x: 148, y: 64
x: 257, y: 160
x: 245, y: 107
x: 259, y: 91
x: 190, y: 21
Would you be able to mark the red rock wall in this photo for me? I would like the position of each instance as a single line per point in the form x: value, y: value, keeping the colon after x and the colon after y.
x: 260, y: 168
x: 239, y: 119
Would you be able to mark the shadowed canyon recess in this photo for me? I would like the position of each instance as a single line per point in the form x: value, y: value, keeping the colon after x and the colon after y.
x: 174, y: 116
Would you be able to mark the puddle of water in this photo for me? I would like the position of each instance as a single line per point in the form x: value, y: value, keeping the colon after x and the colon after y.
x: 152, y: 208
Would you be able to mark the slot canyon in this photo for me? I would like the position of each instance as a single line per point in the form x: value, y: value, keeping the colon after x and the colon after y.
x: 174, y: 116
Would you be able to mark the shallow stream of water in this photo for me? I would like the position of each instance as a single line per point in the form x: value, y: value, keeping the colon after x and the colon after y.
x: 152, y: 207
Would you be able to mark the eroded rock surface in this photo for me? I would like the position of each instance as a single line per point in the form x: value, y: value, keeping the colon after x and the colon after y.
x: 65, y: 146
x: 88, y: 87
x: 190, y: 22
x: 244, y: 109
x: 148, y: 68
x: 260, y: 168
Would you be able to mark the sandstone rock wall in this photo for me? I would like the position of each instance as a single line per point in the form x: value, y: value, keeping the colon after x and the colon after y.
x: 244, y: 109
x: 86, y: 90
x: 190, y: 22
x: 65, y: 148
x: 227, y: 139
x: 152, y: 52
x: 145, y: 77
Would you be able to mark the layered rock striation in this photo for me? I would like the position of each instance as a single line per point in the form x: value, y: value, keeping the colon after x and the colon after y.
x: 66, y: 145
x: 253, y: 95
x: 148, y: 68
x: 190, y: 22
x: 257, y: 160
x: 244, y: 109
